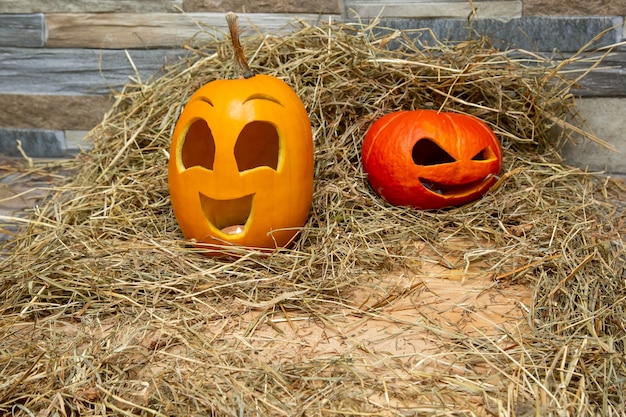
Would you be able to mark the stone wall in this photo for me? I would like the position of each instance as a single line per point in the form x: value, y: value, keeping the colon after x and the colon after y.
x: 60, y: 59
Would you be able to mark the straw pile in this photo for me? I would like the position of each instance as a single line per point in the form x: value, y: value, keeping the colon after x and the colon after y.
x: 511, y: 305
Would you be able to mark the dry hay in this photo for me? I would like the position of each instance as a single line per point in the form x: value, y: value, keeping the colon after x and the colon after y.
x: 511, y: 305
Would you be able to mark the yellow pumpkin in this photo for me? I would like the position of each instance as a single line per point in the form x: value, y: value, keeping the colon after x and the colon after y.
x: 241, y: 163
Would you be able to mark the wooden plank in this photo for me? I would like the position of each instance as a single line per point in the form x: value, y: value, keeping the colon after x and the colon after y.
x: 76, y: 71
x: 90, y: 6
x: 432, y: 8
x: 23, y: 30
x: 265, y: 6
x: 37, y: 111
x: 156, y: 30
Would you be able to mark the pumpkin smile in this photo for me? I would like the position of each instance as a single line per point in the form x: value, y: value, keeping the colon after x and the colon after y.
x: 228, y: 216
x: 451, y: 189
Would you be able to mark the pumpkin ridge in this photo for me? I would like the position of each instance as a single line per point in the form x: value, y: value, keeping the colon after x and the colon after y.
x: 388, y: 119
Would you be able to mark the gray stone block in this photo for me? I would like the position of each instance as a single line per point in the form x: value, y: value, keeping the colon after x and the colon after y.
x: 67, y: 71
x: 366, y: 9
x: 605, y: 118
x: 608, y: 79
x: 22, y: 30
x: 77, y: 140
x: 100, y: 6
x: 564, y: 34
x: 35, y: 143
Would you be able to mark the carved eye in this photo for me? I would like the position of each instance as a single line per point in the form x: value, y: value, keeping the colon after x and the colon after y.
x: 199, y: 146
x: 427, y: 152
x: 484, y: 155
x: 258, y: 145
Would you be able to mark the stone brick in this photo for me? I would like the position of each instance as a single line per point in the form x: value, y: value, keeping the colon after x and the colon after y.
x: 35, y: 143
x: 159, y: 30
x: 605, y: 118
x: 608, y: 79
x: 262, y: 6
x: 95, y: 6
x: 65, y: 71
x: 22, y: 30
x: 365, y: 9
x: 52, y: 111
x: 76, y: 140
x: 564, y: 34
x: 574, y: 7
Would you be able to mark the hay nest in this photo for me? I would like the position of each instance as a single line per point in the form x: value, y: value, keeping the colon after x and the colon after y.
x: 511, y: 305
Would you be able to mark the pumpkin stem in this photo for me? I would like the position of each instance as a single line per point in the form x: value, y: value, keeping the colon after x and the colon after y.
x: 241, y: 63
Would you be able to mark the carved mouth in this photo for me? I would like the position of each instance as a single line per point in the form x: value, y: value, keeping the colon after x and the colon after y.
x: 451, y: 189
x: 228, y: 216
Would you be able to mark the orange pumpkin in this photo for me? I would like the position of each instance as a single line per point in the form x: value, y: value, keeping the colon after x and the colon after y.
x: 241, y: 163
x: 430, y: 160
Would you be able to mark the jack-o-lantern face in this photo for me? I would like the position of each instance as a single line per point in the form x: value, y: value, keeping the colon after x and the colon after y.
x: 241, y: 164
x: 429, y: 160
